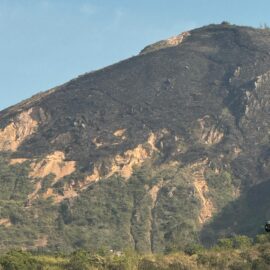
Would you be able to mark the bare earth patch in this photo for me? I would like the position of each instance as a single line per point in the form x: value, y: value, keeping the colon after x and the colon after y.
x: 209, y: 133
x: 54, y: 163
x: 41, y: 241
x: 15, y: 133
x: 5, y: 222
x: 200, y: 184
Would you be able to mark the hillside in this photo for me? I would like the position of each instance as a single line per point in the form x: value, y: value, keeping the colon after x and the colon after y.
x: 158, y: 151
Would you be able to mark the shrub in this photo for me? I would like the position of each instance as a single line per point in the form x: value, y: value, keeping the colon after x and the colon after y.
x: 242, y: 241
x: 83, y: 260
x: 19, y: 260
x: 259, y: 265
x: 225, y: 243
x: 265, y: 254
x: 240, y: 265
x: 225, y: 23
x: 192, y: 249
x: 262, y: 238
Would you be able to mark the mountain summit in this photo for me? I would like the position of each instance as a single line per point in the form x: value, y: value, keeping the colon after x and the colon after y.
x: 158, y: 151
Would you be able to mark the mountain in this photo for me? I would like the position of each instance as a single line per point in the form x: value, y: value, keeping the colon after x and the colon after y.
x: 158, y: 151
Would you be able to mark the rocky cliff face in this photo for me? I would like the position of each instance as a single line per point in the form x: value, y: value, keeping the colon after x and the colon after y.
x: 147, y: 153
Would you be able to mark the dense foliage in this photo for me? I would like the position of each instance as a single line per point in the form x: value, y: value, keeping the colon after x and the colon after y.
x: 95, y: 218
x: 237, y: 253
x: 115, y: 213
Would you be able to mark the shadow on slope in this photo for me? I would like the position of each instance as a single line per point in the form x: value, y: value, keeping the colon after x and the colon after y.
x: 245, y: 216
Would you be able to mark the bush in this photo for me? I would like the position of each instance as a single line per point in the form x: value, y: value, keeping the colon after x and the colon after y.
x: 225, y: 23
x: 148, y: 264
x: 265, y: 254
x: 192, y: 249
x: 240, y: 266
x: 259, y: 265
x: 83, y: 260
x: 19, y: 260
x: 212, y: 260
x: 262, y: 238
x: 225, y: 243
x: 242, y: 241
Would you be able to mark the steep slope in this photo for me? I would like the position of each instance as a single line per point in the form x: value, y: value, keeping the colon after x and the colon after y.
x: 144, y: 153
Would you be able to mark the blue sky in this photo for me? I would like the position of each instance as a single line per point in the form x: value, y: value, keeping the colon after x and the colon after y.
x: 44, y: 43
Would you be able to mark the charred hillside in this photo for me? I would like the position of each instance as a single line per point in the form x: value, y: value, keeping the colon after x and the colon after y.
x: 145, y: 153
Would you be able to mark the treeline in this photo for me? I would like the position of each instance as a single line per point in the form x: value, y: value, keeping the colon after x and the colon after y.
x: 236, y: 253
